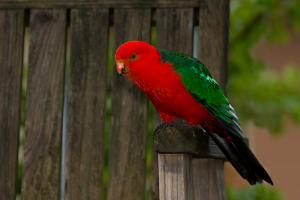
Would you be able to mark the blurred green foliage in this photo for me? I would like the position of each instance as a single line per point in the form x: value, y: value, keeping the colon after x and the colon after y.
x: 258, y: 94
x: 258, y: 192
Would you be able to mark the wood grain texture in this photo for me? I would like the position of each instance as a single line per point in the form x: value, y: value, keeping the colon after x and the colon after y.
x: 154, y: 177
x: 179, y: 137
x: 208, y: 179
x: 129, y: 128
x: 183, y: 177
x: 213, y: 24
x: 98, y: 3
x: 175, y: 29
x: 44, y: 106
x: 89, y: 29
x: 11, y: 60
x: 175, y: 177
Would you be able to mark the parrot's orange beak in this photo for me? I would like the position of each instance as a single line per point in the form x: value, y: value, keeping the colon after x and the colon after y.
x: 121, y: 68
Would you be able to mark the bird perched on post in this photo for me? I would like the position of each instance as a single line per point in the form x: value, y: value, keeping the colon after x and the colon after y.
x: 181, y: 87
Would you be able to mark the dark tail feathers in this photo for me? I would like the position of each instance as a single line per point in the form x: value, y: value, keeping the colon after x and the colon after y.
x: 242, y: 159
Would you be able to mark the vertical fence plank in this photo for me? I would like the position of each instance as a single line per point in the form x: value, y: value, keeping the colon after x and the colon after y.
x: 45, y: 103
x: 129, y: 126
x: 174, y: 32
x: 213, y: 25
x: 210, y: 184
x: 86, y: 103
x: 154, y: 178
x: 175, y: 29
x: 175, y: 177
x: 11, y: 59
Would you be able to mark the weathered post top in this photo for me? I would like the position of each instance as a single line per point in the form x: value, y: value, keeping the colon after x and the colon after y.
x: 180, y: 138
x: 190, y: 165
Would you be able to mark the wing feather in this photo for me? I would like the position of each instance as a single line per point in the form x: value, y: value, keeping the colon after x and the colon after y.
x: 204, y: 88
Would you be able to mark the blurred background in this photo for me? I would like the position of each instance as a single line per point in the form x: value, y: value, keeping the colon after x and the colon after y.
x: 263, y: 86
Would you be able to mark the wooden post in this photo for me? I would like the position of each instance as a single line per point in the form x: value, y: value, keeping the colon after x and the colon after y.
x: 11, y: 57
x: 190, y: 164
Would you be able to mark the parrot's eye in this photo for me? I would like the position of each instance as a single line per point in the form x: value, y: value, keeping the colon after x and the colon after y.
x: 133, y: 56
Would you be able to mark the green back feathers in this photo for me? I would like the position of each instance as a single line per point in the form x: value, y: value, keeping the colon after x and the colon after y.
x: 201, y: 85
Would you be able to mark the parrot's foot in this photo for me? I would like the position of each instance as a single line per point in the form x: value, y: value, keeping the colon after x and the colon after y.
x: 200, y: 128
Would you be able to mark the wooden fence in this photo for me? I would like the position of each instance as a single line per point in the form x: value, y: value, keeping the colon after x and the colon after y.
x: 51, y: 25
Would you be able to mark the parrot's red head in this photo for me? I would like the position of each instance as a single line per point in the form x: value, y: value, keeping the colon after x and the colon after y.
x: 134, y: 57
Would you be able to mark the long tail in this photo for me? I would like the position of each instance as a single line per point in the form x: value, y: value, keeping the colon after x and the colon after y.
x: 242, y: 159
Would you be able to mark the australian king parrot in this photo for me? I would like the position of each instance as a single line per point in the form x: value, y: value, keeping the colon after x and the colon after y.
x: 181, y: 87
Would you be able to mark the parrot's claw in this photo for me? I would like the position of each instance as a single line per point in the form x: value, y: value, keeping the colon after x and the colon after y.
x: 200, y: 128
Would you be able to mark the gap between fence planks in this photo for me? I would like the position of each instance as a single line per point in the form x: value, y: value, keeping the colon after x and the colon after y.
x: 44, y: 105
x: 11, y: 60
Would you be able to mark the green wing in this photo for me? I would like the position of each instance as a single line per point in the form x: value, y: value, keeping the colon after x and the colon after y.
x: 202, y: 86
